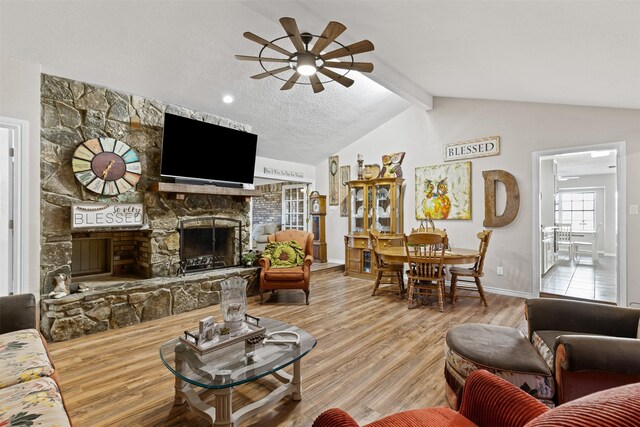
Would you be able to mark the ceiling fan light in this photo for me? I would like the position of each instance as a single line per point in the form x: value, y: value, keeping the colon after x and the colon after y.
x: 306, y: 70
x: 306, y: 64
x: 309, y: 59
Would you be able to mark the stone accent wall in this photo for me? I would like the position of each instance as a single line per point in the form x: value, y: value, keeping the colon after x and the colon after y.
x: 73, y: 112
x: 134, y: 302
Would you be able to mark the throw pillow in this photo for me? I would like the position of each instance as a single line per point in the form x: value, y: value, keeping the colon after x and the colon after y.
x: 284, y: 254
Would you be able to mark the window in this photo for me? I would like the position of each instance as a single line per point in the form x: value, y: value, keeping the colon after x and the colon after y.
x: 579, y: 209
x: 294, y: 206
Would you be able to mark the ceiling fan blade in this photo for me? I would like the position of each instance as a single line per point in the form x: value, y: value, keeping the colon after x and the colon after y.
x: 344, y: 81
x: 292, y: 81
x: 365, y: 67
x: 352, y: 49
x: 267, y: 43
x: 315, y: 83
x: 290, y: 26
x: 271, y: 73
x: 257, y: 58
x: 333, y: 30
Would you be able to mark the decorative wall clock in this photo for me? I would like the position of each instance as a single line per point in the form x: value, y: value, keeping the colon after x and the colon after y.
x: 106, y: 166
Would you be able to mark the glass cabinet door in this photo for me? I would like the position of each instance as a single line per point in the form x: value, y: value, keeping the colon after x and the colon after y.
x: 357, y: 213
x: 384, y: 208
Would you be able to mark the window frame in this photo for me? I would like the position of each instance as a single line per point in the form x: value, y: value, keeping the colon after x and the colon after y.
x: 577, y: 224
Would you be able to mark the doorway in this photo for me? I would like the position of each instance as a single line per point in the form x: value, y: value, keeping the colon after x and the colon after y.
x: 579, y: 243
x: 13, y: 139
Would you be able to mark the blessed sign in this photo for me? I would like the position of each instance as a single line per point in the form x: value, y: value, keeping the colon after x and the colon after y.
x: 105, y: 215
x: 482, y: 147
x: 283, y: 172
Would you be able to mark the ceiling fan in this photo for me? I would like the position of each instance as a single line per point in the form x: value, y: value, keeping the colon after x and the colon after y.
x: 309, y: 60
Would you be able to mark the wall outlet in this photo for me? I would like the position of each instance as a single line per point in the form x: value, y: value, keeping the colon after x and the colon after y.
x: 500, y: 271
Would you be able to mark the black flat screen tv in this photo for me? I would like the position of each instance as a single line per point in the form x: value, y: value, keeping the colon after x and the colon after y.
x: 204, y: 153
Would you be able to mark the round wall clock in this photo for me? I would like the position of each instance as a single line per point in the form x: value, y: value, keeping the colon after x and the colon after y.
x: 106, y: 166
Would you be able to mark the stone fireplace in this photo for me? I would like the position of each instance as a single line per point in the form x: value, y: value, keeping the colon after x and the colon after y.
x: 134, y: 274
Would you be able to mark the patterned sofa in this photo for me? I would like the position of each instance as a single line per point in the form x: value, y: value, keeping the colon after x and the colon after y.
x: 29, y: 391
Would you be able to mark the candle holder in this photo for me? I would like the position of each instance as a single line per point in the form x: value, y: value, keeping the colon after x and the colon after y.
x: 360, y: 167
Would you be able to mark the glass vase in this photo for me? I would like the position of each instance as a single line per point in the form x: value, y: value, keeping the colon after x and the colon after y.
x: 233, y: 303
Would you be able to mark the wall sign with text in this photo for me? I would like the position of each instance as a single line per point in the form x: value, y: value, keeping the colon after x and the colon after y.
x: 482, y: 147
x: 105, y: 215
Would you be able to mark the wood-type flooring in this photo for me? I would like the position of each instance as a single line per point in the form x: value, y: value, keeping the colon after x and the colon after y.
x: 374, y: 357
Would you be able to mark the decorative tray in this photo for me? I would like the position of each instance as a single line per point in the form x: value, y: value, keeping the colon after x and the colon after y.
x: 249, y: 330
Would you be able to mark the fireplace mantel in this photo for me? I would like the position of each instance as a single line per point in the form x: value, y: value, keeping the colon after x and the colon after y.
x: 179, y: 190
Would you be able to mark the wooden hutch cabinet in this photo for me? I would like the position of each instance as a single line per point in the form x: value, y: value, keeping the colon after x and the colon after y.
x: 373, y: 203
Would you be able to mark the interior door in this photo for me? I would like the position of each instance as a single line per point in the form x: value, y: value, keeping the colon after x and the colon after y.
x: 6, y: 209
x: 294, y: 207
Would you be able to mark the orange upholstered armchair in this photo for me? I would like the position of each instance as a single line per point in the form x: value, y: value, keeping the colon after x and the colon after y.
x: 288, y: 278
x: 491, y: 401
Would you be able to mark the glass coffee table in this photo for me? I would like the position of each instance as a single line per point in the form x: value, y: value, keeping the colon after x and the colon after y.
x: 223, y: 369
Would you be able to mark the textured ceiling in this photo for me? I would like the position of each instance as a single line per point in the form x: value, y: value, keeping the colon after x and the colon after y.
x: 182, y: 52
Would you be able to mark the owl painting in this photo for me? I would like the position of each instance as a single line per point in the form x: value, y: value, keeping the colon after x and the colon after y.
x: 444, y: 191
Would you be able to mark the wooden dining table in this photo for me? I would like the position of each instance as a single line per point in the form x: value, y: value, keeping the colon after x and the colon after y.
x: 397, y: 254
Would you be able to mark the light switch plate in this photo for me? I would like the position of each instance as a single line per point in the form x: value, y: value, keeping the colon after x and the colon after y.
x: 633, y: 209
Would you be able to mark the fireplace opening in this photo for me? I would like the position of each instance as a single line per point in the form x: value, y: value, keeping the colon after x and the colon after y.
x: 91, y: 257
x: 103, y: 256
x: 209, y: 243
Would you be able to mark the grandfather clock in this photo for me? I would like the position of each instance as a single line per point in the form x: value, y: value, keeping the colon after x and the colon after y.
x: 318, y: 211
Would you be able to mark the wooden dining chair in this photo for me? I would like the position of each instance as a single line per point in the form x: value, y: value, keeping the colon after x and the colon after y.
x: 472, y: 274
x: 386, y: 273
x: 425, y: 254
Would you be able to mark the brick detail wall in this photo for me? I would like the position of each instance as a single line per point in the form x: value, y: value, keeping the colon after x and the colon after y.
x: 131, y: 250
x: 268, y: 207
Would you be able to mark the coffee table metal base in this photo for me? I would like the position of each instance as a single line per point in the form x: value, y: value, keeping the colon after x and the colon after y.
x: 221, y: 414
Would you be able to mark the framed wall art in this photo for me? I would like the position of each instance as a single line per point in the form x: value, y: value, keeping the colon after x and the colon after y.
x: 444, y: 191
x: 345, y: 175
x: 334, y: 181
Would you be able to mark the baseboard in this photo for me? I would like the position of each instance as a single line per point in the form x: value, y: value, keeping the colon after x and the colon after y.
x: 335, y: 261
x: 509, y: 292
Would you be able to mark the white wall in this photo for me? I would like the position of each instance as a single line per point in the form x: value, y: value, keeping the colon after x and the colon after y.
x: 523, y: 129
x: 20, y: 99
x: 280, y: 169
x: 605, y: 189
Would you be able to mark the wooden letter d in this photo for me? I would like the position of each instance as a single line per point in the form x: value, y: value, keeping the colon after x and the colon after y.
x: 513, y: 198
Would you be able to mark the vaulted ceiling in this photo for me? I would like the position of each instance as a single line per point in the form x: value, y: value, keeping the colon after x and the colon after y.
x: 182, y: 52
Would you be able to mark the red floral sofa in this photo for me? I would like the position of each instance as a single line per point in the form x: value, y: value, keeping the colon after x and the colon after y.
x: 29, y: 391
